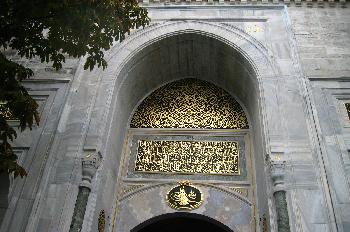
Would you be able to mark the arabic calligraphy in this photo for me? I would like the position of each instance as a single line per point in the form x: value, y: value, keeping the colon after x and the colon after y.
x: 188, y: 157
x: 190, y: 103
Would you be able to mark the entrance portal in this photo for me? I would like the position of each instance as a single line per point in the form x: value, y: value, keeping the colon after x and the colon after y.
x: 188, y: 119
x: 184, y: 222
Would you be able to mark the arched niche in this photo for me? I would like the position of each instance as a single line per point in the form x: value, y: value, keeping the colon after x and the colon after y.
x: 188, y: 54
x: 179, y: 56
x: 184, y: 120
x: 189, y: 103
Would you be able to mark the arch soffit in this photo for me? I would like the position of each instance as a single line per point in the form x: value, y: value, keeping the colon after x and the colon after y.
x: 120, y: 55
x: 249, y: 47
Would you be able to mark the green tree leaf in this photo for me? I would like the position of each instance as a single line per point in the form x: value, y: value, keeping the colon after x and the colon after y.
x: 52, y: 30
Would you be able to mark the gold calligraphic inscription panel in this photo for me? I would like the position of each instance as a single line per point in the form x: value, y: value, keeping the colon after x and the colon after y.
x: 188, y: 157
x: 190, y: 103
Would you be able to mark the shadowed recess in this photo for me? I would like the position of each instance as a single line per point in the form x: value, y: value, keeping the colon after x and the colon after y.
x: 181, y: 222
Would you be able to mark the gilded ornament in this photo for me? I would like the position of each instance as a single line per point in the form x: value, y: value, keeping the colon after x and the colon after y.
x: 347, y: 106
x: 101, y: 221
x: 241, y: 191
x: 188, y: 157
x: 184, y: 197
x: 190, y: 103
x: 5, y: 112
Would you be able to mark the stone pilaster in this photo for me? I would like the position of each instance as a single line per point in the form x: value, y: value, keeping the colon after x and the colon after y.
x: 277, y: 167
x: 90, y: 164
x: 278, y: 170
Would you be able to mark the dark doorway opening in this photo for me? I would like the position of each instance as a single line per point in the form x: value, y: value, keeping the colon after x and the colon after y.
x: 181, y: 222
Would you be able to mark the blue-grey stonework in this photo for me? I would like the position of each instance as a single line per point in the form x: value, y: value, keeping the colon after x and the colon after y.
x: 79, y: 209
x: 282, y: 211
x: 288, y: 67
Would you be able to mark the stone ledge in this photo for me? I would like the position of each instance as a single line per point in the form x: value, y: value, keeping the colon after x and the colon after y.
x: 295, y: 3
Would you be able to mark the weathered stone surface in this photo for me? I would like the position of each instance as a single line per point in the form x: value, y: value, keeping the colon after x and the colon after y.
x: 288, y: 68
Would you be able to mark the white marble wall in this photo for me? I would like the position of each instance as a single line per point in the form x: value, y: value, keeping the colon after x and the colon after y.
x: 288, y: 68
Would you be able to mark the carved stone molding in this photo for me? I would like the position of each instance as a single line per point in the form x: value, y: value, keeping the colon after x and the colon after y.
x: 90, y: 164
x: 277, y: 170
x: 242, y: 191
x: 296, y: 3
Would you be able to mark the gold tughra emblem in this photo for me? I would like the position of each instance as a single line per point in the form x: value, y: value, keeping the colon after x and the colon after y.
x: 184, y: 196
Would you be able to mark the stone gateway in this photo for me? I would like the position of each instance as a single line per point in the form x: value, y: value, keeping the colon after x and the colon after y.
x: 218, y: 116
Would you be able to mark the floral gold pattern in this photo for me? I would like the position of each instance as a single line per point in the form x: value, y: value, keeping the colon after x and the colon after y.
x: 190, y: 103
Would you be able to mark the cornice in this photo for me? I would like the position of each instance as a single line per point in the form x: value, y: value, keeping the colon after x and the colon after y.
x: 289, y: 3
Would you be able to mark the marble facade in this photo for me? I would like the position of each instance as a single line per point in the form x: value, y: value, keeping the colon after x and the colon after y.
x: 288, y: 67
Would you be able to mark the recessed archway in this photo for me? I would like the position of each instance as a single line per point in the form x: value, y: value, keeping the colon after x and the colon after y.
x: 181, y: 221
x: 176, y: 56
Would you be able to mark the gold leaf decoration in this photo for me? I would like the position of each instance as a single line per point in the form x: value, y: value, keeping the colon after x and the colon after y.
x: 190, y: 103
x: 188, y: 157
x: 101, y: 221
x: 347, y: 106
x: 185, y: 196
x: 5, y: 112
x: 241, y: 191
